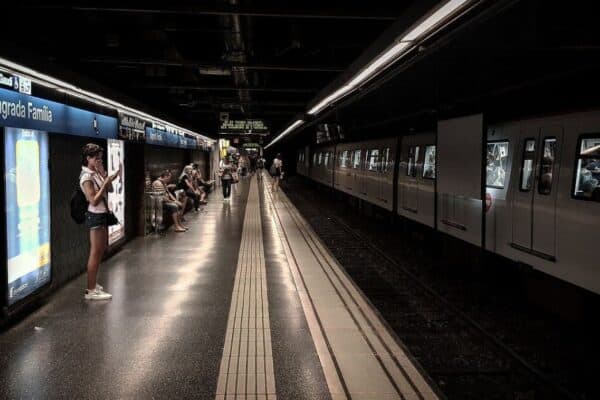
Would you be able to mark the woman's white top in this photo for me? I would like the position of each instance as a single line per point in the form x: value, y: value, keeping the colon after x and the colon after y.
x: 278, y: 163
x: 97, y: 180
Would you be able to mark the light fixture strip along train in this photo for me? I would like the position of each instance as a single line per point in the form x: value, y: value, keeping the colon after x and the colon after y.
x: 388, y: 57
x: 65, y: 87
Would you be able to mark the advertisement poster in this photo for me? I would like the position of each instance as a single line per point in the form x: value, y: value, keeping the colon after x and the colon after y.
x: 116, y: 198
x: 27, y: 211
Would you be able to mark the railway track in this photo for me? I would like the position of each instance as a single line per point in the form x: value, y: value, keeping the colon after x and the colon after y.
x: 467, y: 358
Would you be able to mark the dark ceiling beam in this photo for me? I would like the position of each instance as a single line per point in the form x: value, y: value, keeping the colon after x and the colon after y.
x: 224, y: 10
x: 200, y: 64
x: 224, y: 88
x: 268, y: 103
x: 256, y: 114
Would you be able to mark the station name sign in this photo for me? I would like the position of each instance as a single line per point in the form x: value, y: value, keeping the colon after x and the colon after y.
x: 19, y: 110
x: 244, y: 126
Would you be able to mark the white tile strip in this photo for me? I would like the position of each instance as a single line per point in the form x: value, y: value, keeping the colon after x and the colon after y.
x: 369, y: 361
x: 247, y: 363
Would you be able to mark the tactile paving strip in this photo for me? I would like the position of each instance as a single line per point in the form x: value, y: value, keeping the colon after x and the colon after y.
x: 247, y: 364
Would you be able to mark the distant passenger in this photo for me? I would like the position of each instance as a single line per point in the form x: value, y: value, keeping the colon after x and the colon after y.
x: 169, y: 202
x: 226, y: 169
x: 276, y: 171
x: 95, y: 184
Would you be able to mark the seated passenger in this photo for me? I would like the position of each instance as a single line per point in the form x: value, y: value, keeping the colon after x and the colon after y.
x: 186, y: 184
x: 169, y: 202
x: 206, y: 185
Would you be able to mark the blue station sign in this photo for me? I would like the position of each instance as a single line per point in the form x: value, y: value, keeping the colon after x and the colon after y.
x: 18, y: 110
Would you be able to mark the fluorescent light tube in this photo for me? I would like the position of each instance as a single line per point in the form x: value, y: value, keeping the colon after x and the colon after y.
x: 287, y: 130
x: 434, y: 19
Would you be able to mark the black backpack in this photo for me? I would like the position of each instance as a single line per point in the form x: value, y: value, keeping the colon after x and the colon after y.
x: 79, y: 205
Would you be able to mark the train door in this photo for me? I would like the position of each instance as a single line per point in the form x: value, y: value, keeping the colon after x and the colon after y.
x: 356, y: 165
x: 363, y: 177
x: 411, y: 188
x: 534, y: 201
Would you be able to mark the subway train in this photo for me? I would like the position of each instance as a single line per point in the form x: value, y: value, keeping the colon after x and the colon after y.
x: 528, y: 190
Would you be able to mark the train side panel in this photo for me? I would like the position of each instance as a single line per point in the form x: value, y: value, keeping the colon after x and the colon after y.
x: 459, y: 202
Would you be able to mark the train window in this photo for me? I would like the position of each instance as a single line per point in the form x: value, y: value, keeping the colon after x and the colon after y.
x: 373, y: 159
x: 527, y: 167
x: 314, y: 158
x: 385, y: 160
x: 413, y: 159
x: 356, y: 161
x: 326, y: 162
x: 345, y: 159
x: 547, y: 166
x: 429, y: 162
x: 320, y: 157
x: 587, y: 173
x: 497, y: 164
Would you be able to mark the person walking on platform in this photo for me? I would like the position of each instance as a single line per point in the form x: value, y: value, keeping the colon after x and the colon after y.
x: 95, y: 184
x: 226, y: 174
x: 276, y: 171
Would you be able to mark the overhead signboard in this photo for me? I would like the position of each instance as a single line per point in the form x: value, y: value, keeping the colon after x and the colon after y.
x: 132, y: 128
x: 27, y: 211
x: 242, y: 126
x: 15, y: 82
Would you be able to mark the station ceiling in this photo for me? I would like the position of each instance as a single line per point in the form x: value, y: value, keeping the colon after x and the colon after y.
x: 268, y: 59
x: 191, y: 60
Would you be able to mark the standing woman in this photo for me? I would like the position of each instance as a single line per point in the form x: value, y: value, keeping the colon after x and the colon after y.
x: 226, y: 174
x: 95, y: 184
x: 277, y: 171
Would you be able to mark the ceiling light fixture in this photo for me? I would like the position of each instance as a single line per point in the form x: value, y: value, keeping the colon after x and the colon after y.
x: 393, y: 53
x: 426, y: 25
x: 65, y: 87
x: 290, y: 128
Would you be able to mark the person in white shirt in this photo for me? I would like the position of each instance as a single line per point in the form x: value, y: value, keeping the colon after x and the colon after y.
x: 226, y: 173
x: 95, y: 184
x: 276, y: 171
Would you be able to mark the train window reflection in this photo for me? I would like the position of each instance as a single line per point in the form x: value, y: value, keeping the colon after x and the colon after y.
x: 587, y: 174
x: 345, y: 159
x: 326, y: 159
x: 413, y: 159
x: 356, y: 161
x: 385, y: 160
x: 429, y: 163
x: 320, y: 158
x: 527, y: 167
x: 547, y: 166
x: 373, y: 159
x: 497, y: 164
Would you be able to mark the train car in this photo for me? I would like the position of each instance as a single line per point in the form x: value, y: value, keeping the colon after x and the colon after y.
x: 527, y: 190
x: 543, y: 195
x: 416, y: 178
x: 303, y: 161
x: 322, y: 165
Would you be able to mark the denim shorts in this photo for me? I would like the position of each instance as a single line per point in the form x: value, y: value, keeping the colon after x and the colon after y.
x: 95, y: 220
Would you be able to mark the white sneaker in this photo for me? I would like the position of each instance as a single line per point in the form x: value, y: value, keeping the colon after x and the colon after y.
x: 98, y: 287
x: 97, y: 295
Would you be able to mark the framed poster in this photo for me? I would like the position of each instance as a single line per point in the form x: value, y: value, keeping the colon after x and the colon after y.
x: 116, y: 198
